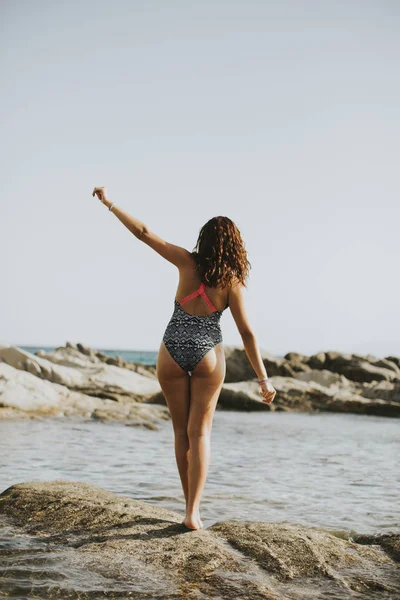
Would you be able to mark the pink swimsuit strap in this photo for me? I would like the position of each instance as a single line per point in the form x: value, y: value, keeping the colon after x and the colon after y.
x: 199, y: 292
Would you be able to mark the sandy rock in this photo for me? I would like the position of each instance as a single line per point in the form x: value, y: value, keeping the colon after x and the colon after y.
x: 293, y: 551
x: 24, y: 394
x: 130, y: 541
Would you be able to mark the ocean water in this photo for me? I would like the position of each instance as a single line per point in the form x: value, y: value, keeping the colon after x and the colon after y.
x: 145, y: 357
x: 332, y: 470
x: 335, y: 471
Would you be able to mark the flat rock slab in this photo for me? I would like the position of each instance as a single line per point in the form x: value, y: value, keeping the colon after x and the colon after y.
x: 23, y: 395
x: 138, y: 549
x: 89, y: 375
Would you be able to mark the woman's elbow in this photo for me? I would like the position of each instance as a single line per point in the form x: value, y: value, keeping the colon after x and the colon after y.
x: 247, y: 334
x: 141, y: 233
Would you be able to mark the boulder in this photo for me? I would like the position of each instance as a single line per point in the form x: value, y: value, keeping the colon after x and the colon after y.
x: 242, y: 395
x: 357, y: 368
x: 25, y: 395
x: 238, y: 367
x: 394, y: 359
x: 317, y: 361
x: 82, y: 372
x: 120, y: 543
x: 72, y: 352
x: 383, y: 390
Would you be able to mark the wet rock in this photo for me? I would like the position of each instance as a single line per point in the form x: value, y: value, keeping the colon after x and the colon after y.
x: 291, y: 552
x: 126, y: 540
x: 390, y: 542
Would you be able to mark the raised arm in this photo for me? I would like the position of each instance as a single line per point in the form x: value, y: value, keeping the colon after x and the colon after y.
x: 175, y: 254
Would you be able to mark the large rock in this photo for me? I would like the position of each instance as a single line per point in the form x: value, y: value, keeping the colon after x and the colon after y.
x: 78, y: 355
x: 242, y: 396
x: 83, y: 373
x: 296, y: 394
x: 359, y: 368
x: 299, y: 387
x: 125, y: 544
x: 25, y: 395
x: 238, y: 367
x: 355, y: 367
x: 383, y: 390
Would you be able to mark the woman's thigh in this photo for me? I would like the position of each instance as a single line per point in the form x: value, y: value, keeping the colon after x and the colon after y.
x: 174, y: 383
x: 205, y: 386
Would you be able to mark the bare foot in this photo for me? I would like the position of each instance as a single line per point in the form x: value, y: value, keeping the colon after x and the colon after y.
x: 193, y: 521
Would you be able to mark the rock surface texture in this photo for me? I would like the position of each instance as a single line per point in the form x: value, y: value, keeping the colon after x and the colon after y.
x: 34, y: 387
x: 130, y: 543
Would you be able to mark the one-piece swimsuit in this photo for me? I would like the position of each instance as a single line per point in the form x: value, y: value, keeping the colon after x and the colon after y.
x: 187, y: 337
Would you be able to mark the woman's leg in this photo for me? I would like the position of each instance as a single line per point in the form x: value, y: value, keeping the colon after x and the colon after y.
x: 174, y: 383
x: 205, y: 386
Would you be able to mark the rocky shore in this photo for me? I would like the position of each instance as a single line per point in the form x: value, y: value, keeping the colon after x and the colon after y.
x: 78, y: 381
x: 126, y: 542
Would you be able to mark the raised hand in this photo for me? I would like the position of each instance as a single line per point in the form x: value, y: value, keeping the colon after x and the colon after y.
x: 101, y: 193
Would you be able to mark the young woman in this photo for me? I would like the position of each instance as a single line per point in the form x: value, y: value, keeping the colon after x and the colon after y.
x: 191, y: 360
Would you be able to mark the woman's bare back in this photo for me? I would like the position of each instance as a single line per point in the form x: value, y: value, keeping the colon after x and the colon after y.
x: 189, y: 282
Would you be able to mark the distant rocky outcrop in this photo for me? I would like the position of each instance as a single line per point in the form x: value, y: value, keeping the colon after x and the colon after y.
x: 82, y: 372
x: 147, y: 549
x: 78, y: 355
x: 357, y: 368
x: 324, y: 382
x: 321, y: 382
x: 80, y: 386
x: 311, y: 391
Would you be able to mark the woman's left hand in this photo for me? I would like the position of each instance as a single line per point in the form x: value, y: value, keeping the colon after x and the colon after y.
x: 101, y: 194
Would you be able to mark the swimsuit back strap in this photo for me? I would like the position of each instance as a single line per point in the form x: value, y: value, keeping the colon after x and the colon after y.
x: 206, y: 298
x: 199, y: 292
x: 189, y: 297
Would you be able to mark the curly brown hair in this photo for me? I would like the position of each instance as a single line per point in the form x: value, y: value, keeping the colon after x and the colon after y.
x: 220, y: 254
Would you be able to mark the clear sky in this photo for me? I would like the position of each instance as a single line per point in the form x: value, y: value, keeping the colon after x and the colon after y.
x: 283, y: 116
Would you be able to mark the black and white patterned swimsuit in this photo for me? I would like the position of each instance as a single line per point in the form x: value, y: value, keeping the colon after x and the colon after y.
x: 187, y: 337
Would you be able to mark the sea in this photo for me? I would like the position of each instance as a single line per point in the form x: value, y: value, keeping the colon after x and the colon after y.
x: 145, y: 357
